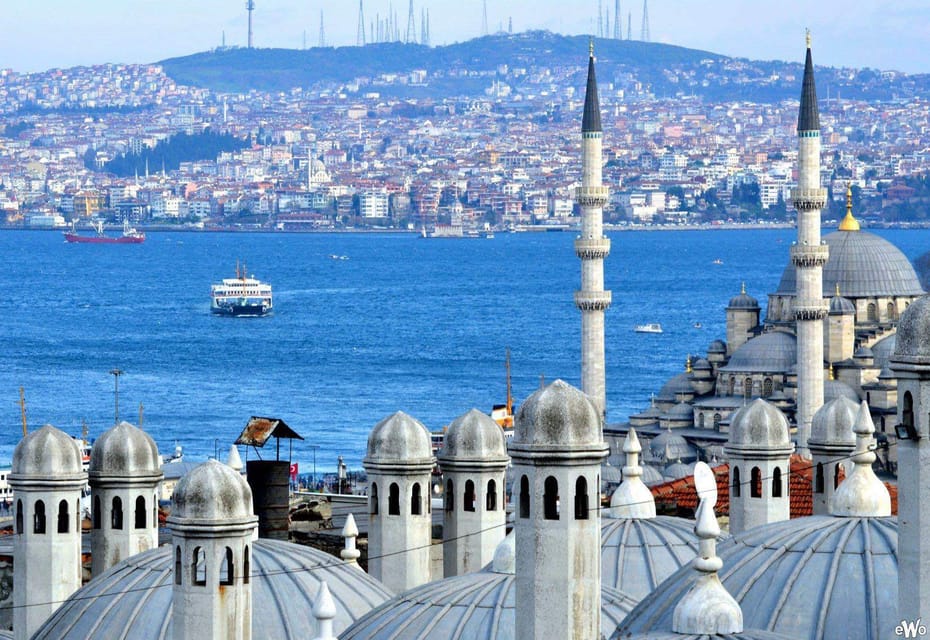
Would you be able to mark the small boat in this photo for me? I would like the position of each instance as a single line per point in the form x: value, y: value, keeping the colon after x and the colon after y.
x: 130, y: 235
x: 652, y: 327
x: 717, y: 261
x: 698, y: 325
x: 241, y: 296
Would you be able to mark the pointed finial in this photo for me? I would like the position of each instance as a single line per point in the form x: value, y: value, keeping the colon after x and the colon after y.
x: 324, y: 610
x: 591, y: 47
x: 350, y: 532
x: 862, y: 494
x: 632, y: 499
x: 233, y: 460
x: 849, y: 223
x: 832, y: 374
x: 807, y: 37
x: 742, y: 288
x: 837, y: 289
x: 688, y: 364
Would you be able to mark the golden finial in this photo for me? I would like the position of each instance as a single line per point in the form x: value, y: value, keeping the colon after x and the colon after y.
x: 831, y: 373
x: 742, y: 288
x: 591, y: 46
x: 807, y: 36
x: 688, y: 364
x: 849, y: 223
x: 837, y: 289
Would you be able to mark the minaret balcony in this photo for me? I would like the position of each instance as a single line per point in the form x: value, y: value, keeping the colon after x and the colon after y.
x: 810, y: 312
x: 809, y: 255
x: 592, y: 248
x: 809, y: 199
x: 592, y: 300
x: 591, y: 196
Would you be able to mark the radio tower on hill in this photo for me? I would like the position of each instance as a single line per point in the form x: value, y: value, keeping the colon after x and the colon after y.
x: 484, y: 19
x: 250, y: 7
x: 645, y: 34
x: 322, y: 31
x: 629, y: 25
x: 360, y: 35
x: 600, y: 19
x: 411, y: 37
x: 618, y: 22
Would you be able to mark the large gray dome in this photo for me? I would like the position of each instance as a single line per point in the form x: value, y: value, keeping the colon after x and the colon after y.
x: 772, y: 352
x: 399, y: 438
x: 669, y: 445
x: 474, y: 436
x: 863, y: 265
x: 125, y: 451
x: 133, y: 599
x: 819, y: 577
x: 47, y: 453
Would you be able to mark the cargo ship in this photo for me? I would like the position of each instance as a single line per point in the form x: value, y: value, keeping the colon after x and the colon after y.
x: 129, y: 236
x: 241, y: 296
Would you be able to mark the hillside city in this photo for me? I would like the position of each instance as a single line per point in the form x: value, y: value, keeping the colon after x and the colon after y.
x: 357, y: 154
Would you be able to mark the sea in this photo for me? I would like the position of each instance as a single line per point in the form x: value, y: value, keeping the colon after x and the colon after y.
x: 364, y: 325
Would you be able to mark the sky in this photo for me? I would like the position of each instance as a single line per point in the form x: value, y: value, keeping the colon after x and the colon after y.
x: 44, y: 34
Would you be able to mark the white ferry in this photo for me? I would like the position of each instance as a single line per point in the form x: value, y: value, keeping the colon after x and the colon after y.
x: 652, y: 327
x: 241, y: 296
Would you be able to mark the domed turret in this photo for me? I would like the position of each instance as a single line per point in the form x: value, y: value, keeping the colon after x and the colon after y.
x: 759, y: 425
x: 832, y: 440
x: 124, y: 451
x: 399, y: 438
x: 46, y: 453
x: 211, y: 492
x: 742, y: 319
x: 557, y: 415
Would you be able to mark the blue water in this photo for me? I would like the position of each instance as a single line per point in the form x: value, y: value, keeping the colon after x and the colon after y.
x: 403, y: 324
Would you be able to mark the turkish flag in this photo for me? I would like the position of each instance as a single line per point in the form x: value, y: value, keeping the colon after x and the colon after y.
x: 293, y: 471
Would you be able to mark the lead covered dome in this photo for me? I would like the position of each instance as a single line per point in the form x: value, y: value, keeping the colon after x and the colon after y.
x: 557, y: 415
x: 399, y: 438
x: 46, y: 453
x: 772, y: 352
x: 211, y: 492
x: 134, y: 598
x: 759, y: 425
x: 833, y: 423
x: 474, y: 436
x: 124, y: 450
x: 913, y: 336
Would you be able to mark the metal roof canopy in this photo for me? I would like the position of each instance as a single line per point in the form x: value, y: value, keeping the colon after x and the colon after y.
x: 259, y: 430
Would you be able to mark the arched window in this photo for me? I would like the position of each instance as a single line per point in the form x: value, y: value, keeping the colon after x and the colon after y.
x: 776, y: 483
x: 227, y: 574
x: 872, y: 313
x: 731, y: 386
x: 892, y: 312
x: 756, y: 483
x: 140, y: 513
x: 373, y: 500
x: 116, y: 513
x: 38, y: 519
x: 700, y: 420
x: 907, y: 410
x: 416, y: 500
x: 524, y: 497
x: 199, y: 567
x: 155, y: 511
x: 717, y: 419
x: 19, y: 516
x: 95, y: 516
x: 490, y: 499
x: 468, y: 500
x: 581, y: 499
x: 836, y: 476
x: 394, y: 500
x: 737, y: 487
x: 63, y: 516
x: 747, y: 387
x: 551, y: 499
x: 177, y: 565
x: 818, y: 478
x: 767, y: 387
x: 449, y: 497
x: 246, y: 567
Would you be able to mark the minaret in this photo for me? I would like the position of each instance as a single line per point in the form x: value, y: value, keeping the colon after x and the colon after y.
x: 809, y: 256
x: 557, y: 451
x: 592, y: 247
x: 47, y: 478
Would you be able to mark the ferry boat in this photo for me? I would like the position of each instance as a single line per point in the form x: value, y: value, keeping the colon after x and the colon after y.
x: 652, y: 327
x: 129, y: 236
x: 241, y: 296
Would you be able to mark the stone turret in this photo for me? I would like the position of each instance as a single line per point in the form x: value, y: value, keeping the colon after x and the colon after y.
x: 832, y: 440
x: 742, y: 319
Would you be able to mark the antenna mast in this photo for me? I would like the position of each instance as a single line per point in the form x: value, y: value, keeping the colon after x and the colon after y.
x: 116, y: 373
x: 250, y: 7
x: 322, y: 31
x: 484, y: 18
x: 360, y: 35
x: 629, y: 25
x: 22, y: 409
x: 411, y: 37
x: 509, y: 392
x: 600, y: 18
x: 618, y: 22
x: 645, y: 34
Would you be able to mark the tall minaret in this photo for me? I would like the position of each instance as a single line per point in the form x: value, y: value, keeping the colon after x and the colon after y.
x: 808, y: 256
x: 592, y: 247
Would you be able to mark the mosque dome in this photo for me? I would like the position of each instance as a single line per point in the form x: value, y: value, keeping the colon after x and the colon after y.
x: 124, y: 450
x: 677, y: 384
x: 863, y: 352
x: 884, y: 349
x: 681, y: 411
x: 212, y: 491
x: 637, y: 554
x: 862, y: 265
x: 678, y: 470
x: 46, y: 453
x: 772, y: 352
x: 701, y: 366
x: 672, y: 444
x: 840, y: 306
x: 914, y: 332
x: 743, y: 301
x: 399, y: 438
x: 474, y: 436
x: 759, y: 425
x: 652, y: 475
x: 135, y: 596
x: 717, y: 347
x: 466, y: 607
x: 647, y: 417
x: 611, y: 476
x: 819, y: 577
x: 833, y: 389
x: 558, y: 414
x: 833, y: 423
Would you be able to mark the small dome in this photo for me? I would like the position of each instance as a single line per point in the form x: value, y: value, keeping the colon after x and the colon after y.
x: 672, y: 444
x: 558, y: 414
x: 678, y: 470
x: 680, y: 411
x: 47, y: 453
x: 833, y: 423
x: 840, y: 306
x: 212, y: 491
x: 474, y: 436
x: 124, y: 450
x: 743, y: 301
x: 759, y: 425
x: 701, y: 364
x: 677, y: 384
x: 135, y: 596
x: 399, y: 438
x: 863, y: 352
x: 611, y: 476
x: 717, y: 347
x: 886, y: 375
x: 884, y: 349
x: 833, y: 389
x: 637, y: 554
x: 819, y: 577
x: 914, y: 331
x: 772, y: 352
x: 652, y: 475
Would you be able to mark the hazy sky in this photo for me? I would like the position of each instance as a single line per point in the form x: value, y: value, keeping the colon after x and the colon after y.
x: 41, y: 34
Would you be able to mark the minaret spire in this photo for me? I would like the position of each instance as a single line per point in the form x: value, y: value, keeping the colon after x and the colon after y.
x: 809, y: 256
x: 592, y: 247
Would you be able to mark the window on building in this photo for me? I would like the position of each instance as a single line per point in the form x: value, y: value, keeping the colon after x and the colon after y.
x: 872, y: 313
x: 490, y: 499
x: 38, y: 519
x: 581, y: 499
x: 373, y: 500
x: 524, y: 497
x: 116, y: 513
x: 551, y: 499
x: 737, y: 487
x: 199, y: 567
x: 717, y: 419
x: 747, y: 387
x: 818, y: 478
x: 756, y: 483
x: 416, y: 500
x: 177, y: 565
x: 767, y: 387
x: 95, y: 516
x: 731, y: 386
x: 776, y: 483
x: 227, y: 574
x: 907, y: 410
x: 700, y: 420
x: 19, y: 516
x: 449, y: 497
x: 394, y: 500
x: 892, y: 312
x: 469, y: 498
x: 246, y: 567
x: 63, y: 517
x: 140, y: 513
x: 836, y: 475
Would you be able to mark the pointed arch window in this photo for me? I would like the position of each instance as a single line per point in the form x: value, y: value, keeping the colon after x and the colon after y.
x: 551, y: 499
x: 199, y: 567
x: 227, y: 573
x: 491, y: 497
x: 776, y: 483
x: 818, y: 478
x: 737, y: 487
x: 140, y: 513
x: 756, y: 483
x: 19, y: 516
x: 246, y: 567
x: 95, y: 516
x: 581, y: 498
x: 38, y: 519
x: 416, y: 500
x: 767, y: 387
x: 907, y: 412
x: 116, y: 513
x: 747, y: 387
x: 469, y: 498
x: 63, y: 517
x: 449, y: 497
x: 394, y: 500
x: 836, y: 475
x: 177, y: 565
x: 872, y: 312
x: 892, y: 311
x: 524, y: 497
x: 373, y: 500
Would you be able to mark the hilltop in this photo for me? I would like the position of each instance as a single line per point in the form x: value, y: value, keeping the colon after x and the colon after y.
x: 457, y: 69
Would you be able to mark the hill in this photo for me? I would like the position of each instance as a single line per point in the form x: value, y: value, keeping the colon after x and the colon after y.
x: 666, y: 70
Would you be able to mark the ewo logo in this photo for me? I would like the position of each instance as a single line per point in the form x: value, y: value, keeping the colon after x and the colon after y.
x: 908, y: 629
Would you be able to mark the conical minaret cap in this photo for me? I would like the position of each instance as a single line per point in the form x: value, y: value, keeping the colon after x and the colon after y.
x: 808, y: 116
x: 632, y: 499
x: 591, y: 120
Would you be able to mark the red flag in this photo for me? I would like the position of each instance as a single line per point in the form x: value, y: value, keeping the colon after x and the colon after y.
x: 293, y: 471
